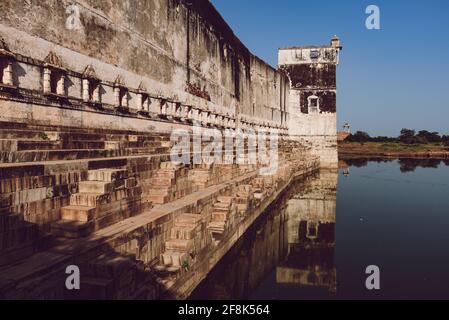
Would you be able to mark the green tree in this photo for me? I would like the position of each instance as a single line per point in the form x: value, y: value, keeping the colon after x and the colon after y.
x: 359, y: 136
x: 445, y: 140
x: 429, y: 136
x: 408, y: 137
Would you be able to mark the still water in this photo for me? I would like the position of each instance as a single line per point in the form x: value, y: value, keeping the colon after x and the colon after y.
x: 318, y: 239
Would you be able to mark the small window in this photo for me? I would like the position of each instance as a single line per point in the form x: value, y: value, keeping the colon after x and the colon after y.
x: 314, y: 54
x: 54, y: 75
x: 145, y: 106
x: 55, y: 80
x: 120, y: 93
x: 91, y: 85
x: 6, y: 61
x: 313, y: 104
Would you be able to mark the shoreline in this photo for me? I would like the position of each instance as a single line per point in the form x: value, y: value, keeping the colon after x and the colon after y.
x: 354, y: 150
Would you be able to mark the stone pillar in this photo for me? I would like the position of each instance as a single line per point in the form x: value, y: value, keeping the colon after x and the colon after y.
x: 47, y: 80
x: 139, y: 102
x: 60, y: 86
x: 189, y: 113
x: 212, y: 119
x: 117, y: 97
x: 125, y: 99
x: 7, y: 75
x: 163, y: 108
x: 96, y: 93
x: 195, y: 115
x: 146, y: 103
x: 86, y: 96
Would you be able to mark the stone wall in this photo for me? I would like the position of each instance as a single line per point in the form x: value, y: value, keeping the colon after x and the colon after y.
x: 185, y: 53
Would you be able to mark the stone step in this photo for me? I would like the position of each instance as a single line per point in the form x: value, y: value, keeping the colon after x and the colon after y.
x: 95, y: 288
x: 24, y: 233
x: 74, y: 154
x: 220, y: 216
x: 188, y: 219
x: 72, y: 229
x: 37, y: 145
x: 107, y: 175
x: 244, y: 188
x: 78, y: 213
x: 22, y: 134
x: 222, y: 206
x: 174, y: 258
x: 9, y: 145
x: 162, y: 181
x: 97, y: 187
x: 159, y: 199
x: 217, y: 227
x: 179, y: 245
x: 17, y: 253
x: 89, y: 199
x: 225, y: 200
x: 83, y: 144
x: 184, y: 231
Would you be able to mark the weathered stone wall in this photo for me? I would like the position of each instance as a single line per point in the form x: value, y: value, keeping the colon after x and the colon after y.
x: 175, y: 50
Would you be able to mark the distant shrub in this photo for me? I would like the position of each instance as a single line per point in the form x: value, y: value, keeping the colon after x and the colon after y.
x: 359, y: 136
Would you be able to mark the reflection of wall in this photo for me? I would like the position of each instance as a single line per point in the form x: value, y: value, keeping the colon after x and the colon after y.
x: 311, y: 235
x: 254, y: 256
x: 248, y: 262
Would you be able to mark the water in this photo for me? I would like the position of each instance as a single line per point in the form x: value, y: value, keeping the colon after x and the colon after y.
x: 318, y: 239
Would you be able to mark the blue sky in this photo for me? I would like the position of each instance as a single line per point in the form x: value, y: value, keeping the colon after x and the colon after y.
x: 388, y: 79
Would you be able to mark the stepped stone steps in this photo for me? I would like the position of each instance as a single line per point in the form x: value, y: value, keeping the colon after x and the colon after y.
x: 243, y: 198
x: 107, y: 174
x: 14, y: 145
x: 72, y: 229
x: 186, y: 236
x: 78, y: 213
x: 70, y: 135
x: 108, y: 276
x: 223, y: 216
x: 72, y: 154
x: 107, y: 196
x: 100, y: 288
x: 174, y: 259
x: 89, y: 199
x: 169, y: 182
x: 98, y: 187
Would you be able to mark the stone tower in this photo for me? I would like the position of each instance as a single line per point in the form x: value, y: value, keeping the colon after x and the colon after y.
x: 312, y: 104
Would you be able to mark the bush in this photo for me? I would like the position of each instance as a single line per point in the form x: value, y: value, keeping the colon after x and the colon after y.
x: 359, y: 136
x: 445, y: 140
x: 429, y: 136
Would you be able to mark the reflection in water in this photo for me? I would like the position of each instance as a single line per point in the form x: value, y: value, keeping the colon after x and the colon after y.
x: 406, y: 164
x: 387, y: 216
x: 289, y: 250
x: 311, y: 236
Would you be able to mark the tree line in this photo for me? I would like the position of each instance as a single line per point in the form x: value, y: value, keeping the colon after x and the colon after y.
x: 407, y: 136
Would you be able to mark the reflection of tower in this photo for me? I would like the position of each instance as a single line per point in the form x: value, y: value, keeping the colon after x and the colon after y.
x: 311, y: 235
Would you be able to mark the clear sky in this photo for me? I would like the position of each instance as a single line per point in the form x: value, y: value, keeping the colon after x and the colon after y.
x: 388, y: 79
